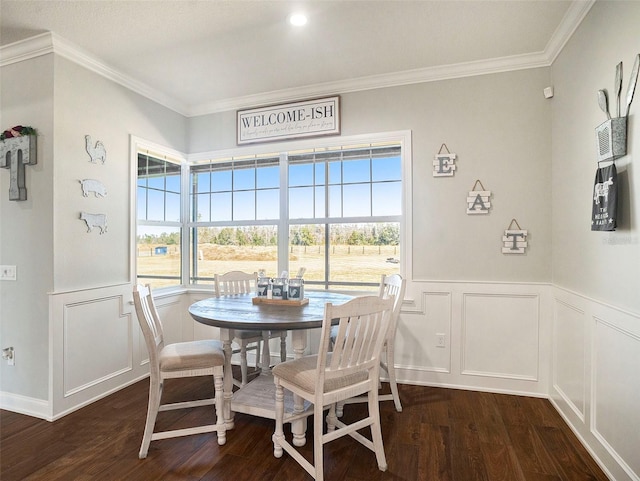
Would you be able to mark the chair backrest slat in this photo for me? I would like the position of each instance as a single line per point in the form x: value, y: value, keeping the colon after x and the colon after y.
x: 149, y: 321
x: 393, y: 285
x: 362, y: 329
x: 234, y: 282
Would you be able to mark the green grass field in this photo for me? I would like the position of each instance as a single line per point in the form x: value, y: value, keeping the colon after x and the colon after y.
x: 346, y: 263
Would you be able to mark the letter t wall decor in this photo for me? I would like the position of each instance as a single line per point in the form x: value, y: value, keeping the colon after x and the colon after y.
x: 18, y: 147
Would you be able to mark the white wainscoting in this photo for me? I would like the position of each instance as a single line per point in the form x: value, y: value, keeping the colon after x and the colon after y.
x: 94, y: 346
x: 596, y: 381
x: 528, y: 339
x: 496, y: 336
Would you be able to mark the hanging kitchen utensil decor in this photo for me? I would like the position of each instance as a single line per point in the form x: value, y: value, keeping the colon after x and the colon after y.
x: 444, y: 164
x: 478, y: 200
x: 514, y: 241
x: 611, y: 135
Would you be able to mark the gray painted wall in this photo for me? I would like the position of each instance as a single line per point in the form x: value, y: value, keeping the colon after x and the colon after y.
x: 26, y: 232
x: 600, y: 265
x: 499, y: 126
x: 44, y: 236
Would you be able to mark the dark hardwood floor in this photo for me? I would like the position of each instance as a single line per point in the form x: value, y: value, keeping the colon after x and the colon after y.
x: 441, y: 435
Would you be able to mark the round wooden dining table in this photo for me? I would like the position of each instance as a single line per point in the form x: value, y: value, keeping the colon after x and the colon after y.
x: 239, y: 311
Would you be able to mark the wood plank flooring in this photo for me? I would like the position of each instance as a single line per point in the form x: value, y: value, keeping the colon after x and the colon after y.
x: 441, y: 435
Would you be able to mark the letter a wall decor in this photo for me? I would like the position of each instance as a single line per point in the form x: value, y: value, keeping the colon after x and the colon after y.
x: 444, y: 164
x: 478, y: 200
x: 514, y: 241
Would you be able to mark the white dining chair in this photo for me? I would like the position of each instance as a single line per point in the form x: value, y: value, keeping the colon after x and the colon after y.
x: 238, y: 282
x: 351, y: 369
x: 177, y: 360
x: 393, y: 285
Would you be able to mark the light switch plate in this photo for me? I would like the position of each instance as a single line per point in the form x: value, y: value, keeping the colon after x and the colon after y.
x: 7, y: 273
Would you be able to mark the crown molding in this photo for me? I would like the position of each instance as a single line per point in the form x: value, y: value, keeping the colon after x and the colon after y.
x: 395, y: 79
x: 572, y: 19
x: 50, y: 42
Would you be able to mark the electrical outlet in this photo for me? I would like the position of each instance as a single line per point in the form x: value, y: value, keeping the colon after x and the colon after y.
x: 441, y: 340
x: 7, y: 273
x: 10, y: 355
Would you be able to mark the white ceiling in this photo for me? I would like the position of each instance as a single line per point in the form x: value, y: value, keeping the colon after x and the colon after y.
x: 210, y: 55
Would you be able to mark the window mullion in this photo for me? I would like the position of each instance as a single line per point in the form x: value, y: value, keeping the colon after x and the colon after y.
x: 283, y: 221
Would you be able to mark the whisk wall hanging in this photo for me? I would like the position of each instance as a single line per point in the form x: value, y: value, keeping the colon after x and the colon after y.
x: 611, y: 135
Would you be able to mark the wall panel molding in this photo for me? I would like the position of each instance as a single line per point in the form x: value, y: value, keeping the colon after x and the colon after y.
x: 599, y: 343
x: 568, y: 331
x: 500, y: 335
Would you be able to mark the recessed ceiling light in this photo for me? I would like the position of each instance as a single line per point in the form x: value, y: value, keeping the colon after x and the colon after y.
x: 298, y: 19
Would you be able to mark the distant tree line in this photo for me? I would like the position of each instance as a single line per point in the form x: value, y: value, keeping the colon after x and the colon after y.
x: 303, y: 235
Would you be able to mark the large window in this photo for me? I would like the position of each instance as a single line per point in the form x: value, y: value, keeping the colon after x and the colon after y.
x: 335, y: 210
x: 159, y: 226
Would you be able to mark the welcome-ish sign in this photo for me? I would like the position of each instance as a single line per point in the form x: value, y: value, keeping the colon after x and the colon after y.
x: 288, y: 121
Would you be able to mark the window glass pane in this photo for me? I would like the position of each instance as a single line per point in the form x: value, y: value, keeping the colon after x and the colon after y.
x: 244, y: 175
x: 362, y: 252
x: 158, y: 255
x: 386, y: 169
x: 221, y: 207
x: 202, y: 208
x: 155, y: 205
x: 300, y: 174
x: 173, y: 180
x: 156, y: 182
x: 244, y: 207
x: 268, y: 205
x: 301, y: 203
x: 357, y: 200
x: 268, y: 177
x: 173, y: 207
x: 335, y: 173
x: 224, y: 249
x: 320, y: 169
x: 306, y: 249
x: 356, y: 171
x: 141, y: 199
x: 335, y: 201
x: 320, y: 198
x: 221, y: 181
x: 201, y: 182
x: 387, y: 198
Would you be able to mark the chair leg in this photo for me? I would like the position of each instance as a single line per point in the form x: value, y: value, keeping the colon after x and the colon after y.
x: 218, y: 392
x: 391, y: 370
x: 331, y: 418
x: 278, y: 435
x: 155, y: 393
x: 339, y: 408
x: 259, y: 355
x: 376, y: 432
x: 243, y: 363
x: 318, y: 446
x: 283, y: 346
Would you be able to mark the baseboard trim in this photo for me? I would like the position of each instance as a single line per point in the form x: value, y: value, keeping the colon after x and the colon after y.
x: 37, y: 408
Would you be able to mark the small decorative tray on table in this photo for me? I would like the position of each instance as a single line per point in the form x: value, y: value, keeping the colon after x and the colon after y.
x: 280, y: 302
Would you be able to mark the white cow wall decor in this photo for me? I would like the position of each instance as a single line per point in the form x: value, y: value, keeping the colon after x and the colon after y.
x: 94, y: 220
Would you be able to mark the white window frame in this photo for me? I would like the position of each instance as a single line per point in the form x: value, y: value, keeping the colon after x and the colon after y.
x: 137, y: 144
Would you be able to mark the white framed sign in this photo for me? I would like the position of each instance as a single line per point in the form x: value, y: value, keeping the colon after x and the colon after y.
x: 307, y: 118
